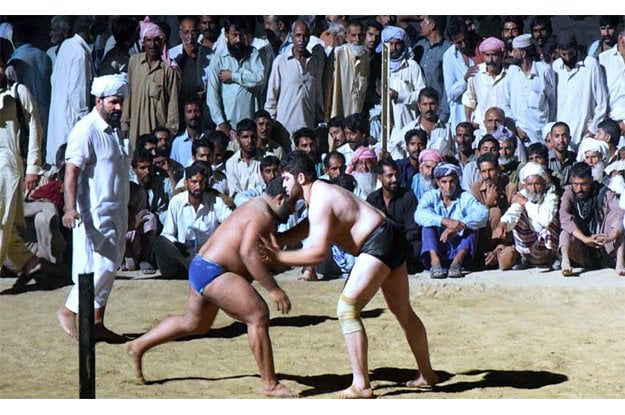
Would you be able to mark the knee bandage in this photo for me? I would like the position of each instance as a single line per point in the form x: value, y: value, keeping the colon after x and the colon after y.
x: 348, y: 312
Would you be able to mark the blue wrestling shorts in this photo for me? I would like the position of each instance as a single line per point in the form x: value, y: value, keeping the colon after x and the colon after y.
x: 202, y: 272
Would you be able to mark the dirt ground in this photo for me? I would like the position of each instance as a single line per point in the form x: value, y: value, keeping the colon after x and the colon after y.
x: 519, y: 334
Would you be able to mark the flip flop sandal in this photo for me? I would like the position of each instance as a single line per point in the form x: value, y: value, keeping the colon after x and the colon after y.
x: 455, y: 271
x: 436, y: 272
x: 146, y: 268
x: 567, y: 272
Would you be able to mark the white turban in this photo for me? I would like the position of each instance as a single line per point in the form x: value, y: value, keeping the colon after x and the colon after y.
x: 532, y: 169
x: 596, y: 146
x: 108, y: 85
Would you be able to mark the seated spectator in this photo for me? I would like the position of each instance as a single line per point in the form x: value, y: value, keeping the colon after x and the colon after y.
x: 220, y: 151
x: 181, y: 148
x: 356, y: 129
x: 533, y: 219
x: 594, y: 153
x: 495, y: 119
x: 398, y: 204
x: 424, y: 180
x: 336, y: 134
x: 494, y: 191
x: 304, y: 139
x: 416, y: 141
x: 191, y: 219
x: 243, y: 168
x: 269, y: 170
x: 464, y: 143
x: 538, y: 153
x: 202, y: 150
x: 592, y: 224
x: 508, y: 161
x: 264, y: 129
x: 143, y: 224
x: 450, y: 219
x: 470, y: 172
x: 333, y: 166
x: 363, y: 168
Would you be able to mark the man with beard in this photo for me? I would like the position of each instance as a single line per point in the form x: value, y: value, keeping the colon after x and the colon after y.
x: 494, y: 191
x: 450, y: 219
x: 220, y: 277
x: 595, y: 153
x: 277, y: 30
x: 581, y: 90
x: 373, y: 37
x: 424, y: 180
x: 96, y: 201
x: 264, y: 129
x: 233, y: 77
x: 512, y: 27
x: 398, y: 204
x: 540, y: 28
x: 465, y: 153
x: 181, y: 146
x: 429, y: 53
x: 592, y: 224
x: 438, y: 133
x: 295, y: 88
x: 613, y: 63
x: 487, y: 88
x: 459, y: 64
x: 347, y: 74
x: 209, y: 33
x: 561, y: 159
x: 192, y: 217
x: 607, y: 33
x: 243, y: 167
x: 363, y: 167
x: 532, y: 91
x: 533, y: 219
x: 153, y: 82
x: 405, y: 82
x: 336, y: 216
x: 143, y: 225
x: 497, y: 124
x: 508, y: 162
x: 416, y: 141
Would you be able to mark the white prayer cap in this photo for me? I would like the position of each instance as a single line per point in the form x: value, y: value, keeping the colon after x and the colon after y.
x: 522, y: 41
x: 108, y: 85
x: 595, y: 146
x: 532, y: 169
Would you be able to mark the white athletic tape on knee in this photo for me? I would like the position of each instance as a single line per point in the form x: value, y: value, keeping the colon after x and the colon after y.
x: 348, y: 312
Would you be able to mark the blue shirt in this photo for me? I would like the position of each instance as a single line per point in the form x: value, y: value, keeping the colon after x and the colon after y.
x: 465, y: 208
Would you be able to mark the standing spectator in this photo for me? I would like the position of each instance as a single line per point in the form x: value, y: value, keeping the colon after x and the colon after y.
x: 532, y: 91
x: 485, y: 89
x: 512, y: 27
x: 153, y: 82
x: 592, y: 224
x: 581, y: 90
x: 429, y: 53
x: 13, y: 182
x: 71, y: 78
x: 459, y: 64
x: 347, y: 73
x: 608, y: 34
x: 295, y: 89
x: 533, y: 219
x: 373, y: 37
x: 232, y: 76
x: 356, y: 128
x: 541, y: 30
x: 405, y: 83
x: 181, y: 146
x: 450, y: 219
x: 398, y: 204
x: 125, y: 33
x: 33, y: 68
x: 96, y: 201
x: 61, y: 28
x: 613, y: 63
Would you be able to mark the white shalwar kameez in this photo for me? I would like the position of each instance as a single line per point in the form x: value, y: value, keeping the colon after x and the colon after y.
x: 102, y: 193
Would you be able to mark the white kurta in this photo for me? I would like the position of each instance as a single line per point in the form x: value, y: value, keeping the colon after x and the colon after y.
x: 242, y: 175
x: 71, y: 82
x: 532, y: 99
x: 582, y: 98
x: 295, y: 93
x: 102, y: 193
x: 614, y: 66
x: 454, y: 69
x: 484, y: 92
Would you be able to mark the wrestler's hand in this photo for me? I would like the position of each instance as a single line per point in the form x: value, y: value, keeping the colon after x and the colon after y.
x: 71, y: 218
x: 283, y: 304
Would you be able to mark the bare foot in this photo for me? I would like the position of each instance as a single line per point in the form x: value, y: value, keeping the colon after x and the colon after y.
x: 309, y: 275
x: 422, y: 382
x: 103, y: 334
x: 278, y: 391
x: 355, y: 392
x: 67, y: 318
x: 136, y: 361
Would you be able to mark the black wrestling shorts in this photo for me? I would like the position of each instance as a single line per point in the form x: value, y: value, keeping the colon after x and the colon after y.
x: 387, y: 243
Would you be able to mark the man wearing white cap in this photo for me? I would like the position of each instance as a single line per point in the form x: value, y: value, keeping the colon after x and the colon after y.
x: 96, y: 200
x: 532, y: 91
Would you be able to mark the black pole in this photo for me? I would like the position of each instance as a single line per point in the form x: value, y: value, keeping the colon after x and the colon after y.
x: 86, y: 336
